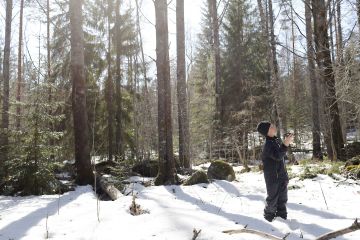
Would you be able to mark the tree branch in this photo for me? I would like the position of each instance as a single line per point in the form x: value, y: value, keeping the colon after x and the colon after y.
x: 354, y: 227
x: 256, y: 232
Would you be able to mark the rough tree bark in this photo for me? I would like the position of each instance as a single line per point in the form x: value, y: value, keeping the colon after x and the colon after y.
x: 184, y: 139
x: 317, y: 154
x: 326, y: 71
x: 80, y: 118
x: 4, y: 148
x: 167, y: 173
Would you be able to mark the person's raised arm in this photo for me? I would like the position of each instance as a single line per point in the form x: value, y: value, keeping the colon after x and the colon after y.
x: 278, y: 153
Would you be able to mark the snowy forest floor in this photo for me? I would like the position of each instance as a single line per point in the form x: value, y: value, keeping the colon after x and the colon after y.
x: 174, y: 211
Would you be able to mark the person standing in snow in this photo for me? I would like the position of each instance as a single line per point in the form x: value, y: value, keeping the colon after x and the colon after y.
x: 275, y: 174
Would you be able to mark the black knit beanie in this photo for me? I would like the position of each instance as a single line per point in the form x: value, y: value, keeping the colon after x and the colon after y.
x: 263, y: 128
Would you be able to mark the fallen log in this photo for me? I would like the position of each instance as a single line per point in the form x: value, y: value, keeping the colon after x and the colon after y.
x: 106, y: 187
x: 354, y: 227
x: 256, y: 232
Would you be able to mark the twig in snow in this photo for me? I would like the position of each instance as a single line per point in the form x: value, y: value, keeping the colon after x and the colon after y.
x: 354, y: 227
x: 222, y: 203
x: 256, y: 232
x: 59, y: 200
x: 196, y: 233
x: 324, y: 196
x: 97, y: 196
x: 46, y: 226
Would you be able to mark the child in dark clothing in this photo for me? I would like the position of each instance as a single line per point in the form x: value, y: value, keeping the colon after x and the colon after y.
x: 275, y: 174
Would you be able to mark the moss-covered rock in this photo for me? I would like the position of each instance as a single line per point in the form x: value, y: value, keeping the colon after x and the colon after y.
x: 352, y: 171
x: 148, y: 168
x: 307, y: 174
x: 353, y: 161
x: 221, y: 170
x: 351, y: 168
x: 197, y: 177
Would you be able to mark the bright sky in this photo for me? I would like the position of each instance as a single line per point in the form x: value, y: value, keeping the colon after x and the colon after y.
x: 192, y: 24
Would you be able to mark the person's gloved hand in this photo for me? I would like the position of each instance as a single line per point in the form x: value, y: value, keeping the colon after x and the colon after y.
x: 288, y: 139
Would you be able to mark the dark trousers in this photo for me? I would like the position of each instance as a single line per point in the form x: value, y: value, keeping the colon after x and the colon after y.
x: 276, y: 198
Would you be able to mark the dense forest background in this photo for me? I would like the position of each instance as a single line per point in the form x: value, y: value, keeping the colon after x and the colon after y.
x: 86, y: 89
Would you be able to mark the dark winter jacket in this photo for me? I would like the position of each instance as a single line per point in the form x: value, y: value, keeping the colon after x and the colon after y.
x: 273, y: 158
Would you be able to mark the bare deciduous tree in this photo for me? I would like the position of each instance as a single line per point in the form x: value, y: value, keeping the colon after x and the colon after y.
x: 317, y: 154
x: 326, y: 71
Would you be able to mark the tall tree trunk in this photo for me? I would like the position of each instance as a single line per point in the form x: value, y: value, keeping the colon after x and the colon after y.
x: 167, y: 173
x: 358, y: 12
x: 339, y: 39
x: 267, y: 23
x: 118, y: 117
x: 49, y: 80
x: 184, y: 139
x: 136, y: 107
x: 295, y: 79
x: 216, y: 49
x: 148, y: 116
x: 109, y: 89
x: 6, y: 78
x: 317, y: 154
x: 275, y: 78
x: 141, y: 44
x: 325, y: 117
x: 340, y: 63
x: 48, y: 49
x: 132, y: 87
x: 264, y: 20
x: 331, y: 17
x: 19, y: 73
x: 82, y: 150
x: 327, y: 74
